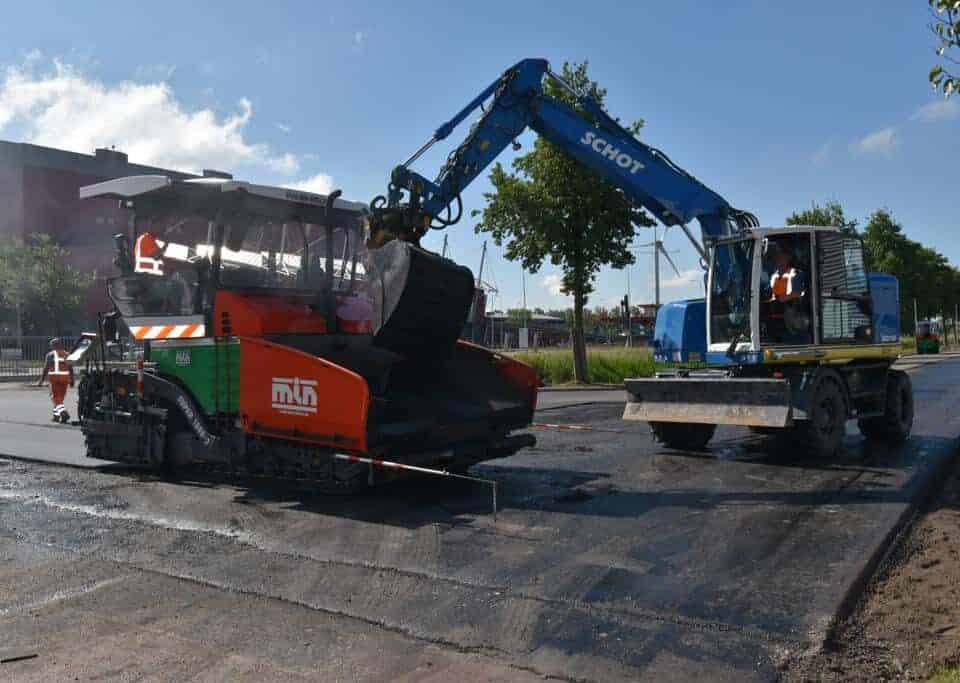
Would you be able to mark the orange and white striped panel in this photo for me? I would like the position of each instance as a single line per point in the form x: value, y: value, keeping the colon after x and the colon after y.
x: 144, y: 332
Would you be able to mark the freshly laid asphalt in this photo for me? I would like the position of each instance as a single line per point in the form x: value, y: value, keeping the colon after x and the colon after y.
x: 610, y: 558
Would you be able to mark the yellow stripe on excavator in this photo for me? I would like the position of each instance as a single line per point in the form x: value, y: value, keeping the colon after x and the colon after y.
x: 830, y: 354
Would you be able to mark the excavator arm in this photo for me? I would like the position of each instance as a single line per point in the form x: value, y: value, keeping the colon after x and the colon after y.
x: 647, y: 176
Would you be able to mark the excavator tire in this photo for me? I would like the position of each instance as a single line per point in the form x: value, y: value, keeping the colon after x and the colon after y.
x: 895, y: 424
x: 683, y: 436
x: 822, y: 434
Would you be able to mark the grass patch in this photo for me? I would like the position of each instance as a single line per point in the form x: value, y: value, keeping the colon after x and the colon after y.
x: 604, y: 366
x: 945, y: 675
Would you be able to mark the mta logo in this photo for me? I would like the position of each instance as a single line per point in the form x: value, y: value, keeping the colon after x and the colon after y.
x: 294, y: 395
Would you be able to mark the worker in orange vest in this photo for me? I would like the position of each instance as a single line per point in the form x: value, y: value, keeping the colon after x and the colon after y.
x: 148, y: 255
x: 789, y: 304
x: 60, y: 372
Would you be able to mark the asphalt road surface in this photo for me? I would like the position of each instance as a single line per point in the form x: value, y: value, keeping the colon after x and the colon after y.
x: 610, y: 558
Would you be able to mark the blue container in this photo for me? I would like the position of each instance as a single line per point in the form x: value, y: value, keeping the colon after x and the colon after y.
x: 681, y: 332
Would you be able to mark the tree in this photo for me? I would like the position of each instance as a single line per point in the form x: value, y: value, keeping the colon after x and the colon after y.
x: 923, y: 273
x: 945, y: 24
x: 14, y: 286
x: 551, y: 207
x: 36, y: 281
x: 830, y: 214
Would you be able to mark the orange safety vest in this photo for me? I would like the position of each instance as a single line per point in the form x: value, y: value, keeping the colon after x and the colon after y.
x: 782, y: 283
x: 59, y: 370
x: 148, y: 255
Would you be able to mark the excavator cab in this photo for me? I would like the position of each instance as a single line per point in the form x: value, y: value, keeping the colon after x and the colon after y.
x: 774, y: 289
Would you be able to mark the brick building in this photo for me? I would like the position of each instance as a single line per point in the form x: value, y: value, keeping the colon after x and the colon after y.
x: 39, y: 194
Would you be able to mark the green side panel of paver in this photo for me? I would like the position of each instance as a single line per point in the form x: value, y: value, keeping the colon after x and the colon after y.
x: 210, y: 370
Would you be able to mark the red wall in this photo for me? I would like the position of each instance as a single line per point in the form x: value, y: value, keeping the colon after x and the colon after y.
x: 51, y: 205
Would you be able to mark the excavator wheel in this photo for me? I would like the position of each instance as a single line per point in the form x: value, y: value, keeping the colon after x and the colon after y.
x: 683, y: 436
x: 823, y: 433
x: 897, y: 420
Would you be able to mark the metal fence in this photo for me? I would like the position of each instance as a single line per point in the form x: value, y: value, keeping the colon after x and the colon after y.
x: 22, y: 358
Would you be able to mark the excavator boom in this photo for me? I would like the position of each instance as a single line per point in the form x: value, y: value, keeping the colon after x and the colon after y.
x: 584, y: 131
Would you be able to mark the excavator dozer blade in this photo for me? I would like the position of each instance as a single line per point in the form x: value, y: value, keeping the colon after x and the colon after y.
x: 710, y: 400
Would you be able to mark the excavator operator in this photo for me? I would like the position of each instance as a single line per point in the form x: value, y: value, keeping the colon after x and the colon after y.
x: 787, y: 303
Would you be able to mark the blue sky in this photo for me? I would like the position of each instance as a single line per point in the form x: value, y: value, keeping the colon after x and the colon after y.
x: 772, y: 104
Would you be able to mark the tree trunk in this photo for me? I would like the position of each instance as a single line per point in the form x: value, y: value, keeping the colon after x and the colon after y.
x: 578, y: 342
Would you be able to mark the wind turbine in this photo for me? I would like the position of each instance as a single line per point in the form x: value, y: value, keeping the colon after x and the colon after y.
x: 659, y: 249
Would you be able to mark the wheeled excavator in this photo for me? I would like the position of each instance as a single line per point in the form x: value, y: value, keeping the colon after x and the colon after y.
x: 288, y: 331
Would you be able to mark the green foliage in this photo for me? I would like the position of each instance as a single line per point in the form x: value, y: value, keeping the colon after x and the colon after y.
x: 945, y: 674
x: 552, y: 208
x: 35, y: 277
x: 830, y: 214
x: 945, y: 25
x: 924, y: 274
x: 607, y: 366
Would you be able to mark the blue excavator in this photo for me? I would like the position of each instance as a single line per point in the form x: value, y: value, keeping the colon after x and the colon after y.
x: 795, y: 334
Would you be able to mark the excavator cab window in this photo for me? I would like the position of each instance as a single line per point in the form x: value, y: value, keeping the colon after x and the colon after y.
x: 845, y: 303
x: 786, y: 313
x: 730, y: 292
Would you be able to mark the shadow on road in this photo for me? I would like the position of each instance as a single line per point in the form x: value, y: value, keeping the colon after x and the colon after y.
x: 732, y: 473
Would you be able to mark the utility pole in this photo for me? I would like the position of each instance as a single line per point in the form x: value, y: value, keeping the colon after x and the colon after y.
x: 956, y: 313
x: 523, y: 332
x: 483, y: 256
x: 916, y: 318
x: 627, y: 322
x: 443, y: 251
x: 523, y: 286
x: 478, y: 286
x: 657, y: 246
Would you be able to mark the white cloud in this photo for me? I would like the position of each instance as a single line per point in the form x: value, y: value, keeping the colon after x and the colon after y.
x: 321, y: 183
x: 938, y: 110
x: 553, y: 283
x: 684, y: 279
x: 61, y: 107
x: 822, y: 152
x: 154, y: 72
x: 360, y: 39
x: 882, y: 141
x: 283, y: 127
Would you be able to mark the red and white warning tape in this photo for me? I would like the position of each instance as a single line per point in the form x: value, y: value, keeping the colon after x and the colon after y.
x: 573, y: 428
x: 423, y: 470
x: 551, y: 425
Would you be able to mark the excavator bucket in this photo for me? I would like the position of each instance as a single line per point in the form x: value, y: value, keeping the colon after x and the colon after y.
x: 420, y: 300
x: 432, y: 390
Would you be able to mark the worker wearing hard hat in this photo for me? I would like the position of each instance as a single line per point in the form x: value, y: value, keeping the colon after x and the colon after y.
x: 60, y: 373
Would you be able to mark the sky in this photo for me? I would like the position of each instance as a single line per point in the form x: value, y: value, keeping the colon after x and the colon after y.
x: 772, y: 104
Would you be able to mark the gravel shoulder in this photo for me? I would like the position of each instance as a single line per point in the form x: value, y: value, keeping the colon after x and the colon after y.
x: 907, y: 624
